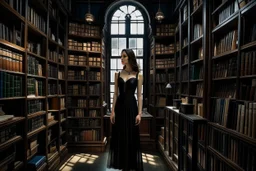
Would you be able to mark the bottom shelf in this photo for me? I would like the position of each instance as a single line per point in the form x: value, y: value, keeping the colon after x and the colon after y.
x: 90, y: 146
x: 172, y: 165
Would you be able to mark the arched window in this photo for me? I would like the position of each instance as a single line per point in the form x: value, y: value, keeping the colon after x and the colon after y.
x: 126, y: 31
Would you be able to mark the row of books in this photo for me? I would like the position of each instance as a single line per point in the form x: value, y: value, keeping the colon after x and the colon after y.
x: 160, y: 88
x: 35, y: 106
x: 83, y: 113
x: 198, y: 107
x: 17, y: 5
x: 198, y: 53
x: 94, y: 89
x: 184, y: 15
x: 185, y: 74
x: 164, y: 49
x: 10, y: 85
x: 76, y: 102
x: 196, y: 4
x: 35, y: 123
x: 34, y: 47
x: 160, y: 77
x: 62, y: 103
x: 231, y: 148
x: 248, y: 91
x: 225, y: 68
x: 77, y: 89
x: 94, y: 75
x: 185, y: 41
x: 225, y: 90
x: 36, y: 19
x: 85, y: 46
x: 34, y: 66
x: 52, y: 10
x: 171, y: 77
x: 52, y: 55
x: 6, y: 32
x: 164, y: 63
x: 84, y: 122
x: 165, y: 30
x: 77, y: 60
x: 52, y: 89
x: 196, y: 72
x: 227, y: 12
x: 248, y: 63
x: 6, y: 133
x: 84, y: 29
x: 198, y: 31
x: 61, y: 74
x: 10, y: 60
x: 34, y: 87
x: 52, y: 71
x: 77, y: 75
x: 184, y: 59
x: 252, y: 33
x: 199, y: 89
x: 226, y: 43
x: 85, y: 135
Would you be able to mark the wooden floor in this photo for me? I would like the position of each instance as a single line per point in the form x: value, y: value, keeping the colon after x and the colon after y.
x: 97, y: 162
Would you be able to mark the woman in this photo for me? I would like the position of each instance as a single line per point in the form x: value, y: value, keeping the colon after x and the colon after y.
x: 124, y: 151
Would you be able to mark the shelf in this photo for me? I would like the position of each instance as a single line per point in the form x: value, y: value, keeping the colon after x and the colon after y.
x: 225, y: 54
x: 53, y: 42
x: 227, y: 22
x: 230, y: 162
x: 248, y: 76
x: 53, y: 62
x: 63, y: 120
x: 36, y: 131
x: 35, y: 97
x: 197, y: 40
x: 53, y: 110
x: 14, y: 120
x: 85, y: 37
x: 62, y: 47
x: 11, y: 12
x: 164, y: 37
x: 84, y: 66
x: 200, y: 143
x: 10, y: 142
x: 96, y: 81
x: 18, y: 165
x: 36, y: 76
x: 35, y: 55
x: 165, y: 68
x: 33, y: 115
x: 198, y: 9
x: 62, y: 133
x: 72, y: 95
x: 52, y: 96
x: 85, y: 142
x: 51, y: 78
x: 193, y: 96
x: 12, y: 98
x: 249, y: 45
x: 51, y: 141
x: 197, y: 60
x: 36, y: 30
x: 54, y: 122
x: 226, y: 78
x: 12, y: 45
x: 198, y: 80
x: 77, y: 80
x: 185, y: 22
x: 249, y: 7
x: 12, y: 72
x: 183, y: 65
x: 85, y: 127
x: 225, y: 2
x: 184, y: 95
x: 77, y: 107
x: 234, y: 133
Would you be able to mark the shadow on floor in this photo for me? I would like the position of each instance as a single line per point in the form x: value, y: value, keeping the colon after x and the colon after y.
x: 152, y: 161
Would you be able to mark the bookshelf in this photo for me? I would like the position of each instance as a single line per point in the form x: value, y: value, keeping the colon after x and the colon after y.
x: 232, y: 79
x: 33, y: 88
x: 161, y: 72
x: 86, y: 95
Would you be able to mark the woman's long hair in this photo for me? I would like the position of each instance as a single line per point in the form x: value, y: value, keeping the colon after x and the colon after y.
x: 132, y: 60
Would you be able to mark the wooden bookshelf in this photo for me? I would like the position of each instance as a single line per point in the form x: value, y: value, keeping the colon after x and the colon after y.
x: 31, y: 44
x: 85, y: 87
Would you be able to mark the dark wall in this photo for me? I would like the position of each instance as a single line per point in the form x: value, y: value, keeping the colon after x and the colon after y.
x: 79, y: 9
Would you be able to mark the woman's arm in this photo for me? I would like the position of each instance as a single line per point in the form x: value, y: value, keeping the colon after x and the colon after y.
x: 139, y: 94
x: 115, y: 95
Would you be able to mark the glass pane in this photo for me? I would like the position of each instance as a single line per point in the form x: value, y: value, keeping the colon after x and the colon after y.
x: 140, y: 28
x: 122, y: 44
x: 124, y: 9
x: 122, y: 16
x: 140, y: 18
x: 112, y: 75
x: 120, y: 66
x: 131, y: 9
x: 137, y: 13
x: 121, y: 29
x: 114, y: 28
x: 111, y: 95
x: 132, y: 43
x: 139, y: 42
x: 140, y: 62
x: 112, y: 88
x: 133, y: 16
x: 113, y: 64
x: 140, y: 52
x: 114, y: 52
x: 133, y: 28
x: 114, y: 18
x: 114, y: 43
x: 111, y: 100
x: 117, y: 13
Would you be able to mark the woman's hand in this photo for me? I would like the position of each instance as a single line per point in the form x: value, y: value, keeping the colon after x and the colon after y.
x: 137, y: 120
x: 112, y: 118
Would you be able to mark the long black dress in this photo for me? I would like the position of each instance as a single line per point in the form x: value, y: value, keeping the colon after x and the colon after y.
x: 124, y: 151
